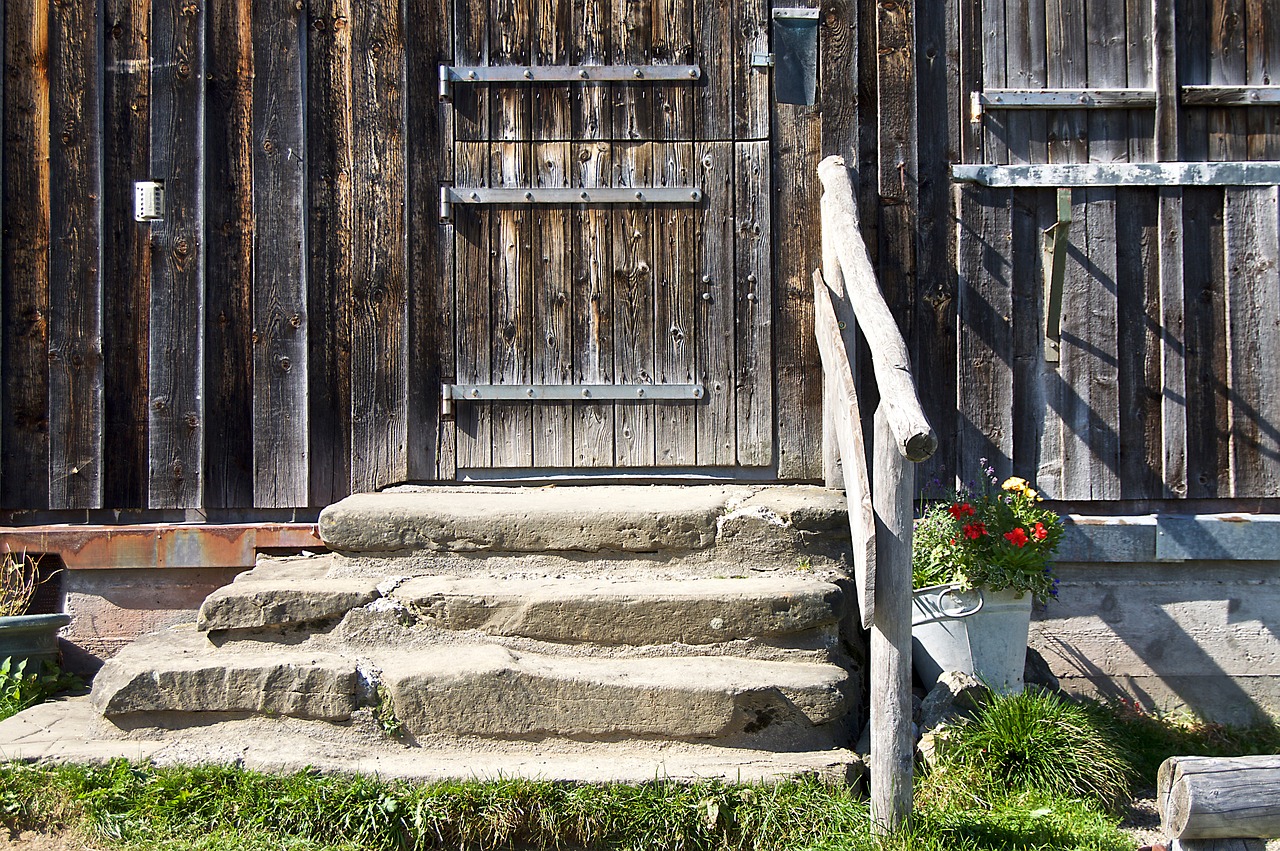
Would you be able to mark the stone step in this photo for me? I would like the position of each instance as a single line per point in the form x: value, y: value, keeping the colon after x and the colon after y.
x: 478, y: 689
x: 283, y: 592
x: 72, y: 731
x: 588, y: 519
x: 493, y: 691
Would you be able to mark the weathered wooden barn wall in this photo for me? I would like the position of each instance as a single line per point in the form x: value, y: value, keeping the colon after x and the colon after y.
x: 280, y: 339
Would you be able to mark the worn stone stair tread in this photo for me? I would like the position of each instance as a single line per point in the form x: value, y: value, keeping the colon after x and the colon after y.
x: 616, y: 518
x: 285, y: 591
x: 488, y: 690
x: 180, y: 670
x: 610, y: 612
x: 71, y: 731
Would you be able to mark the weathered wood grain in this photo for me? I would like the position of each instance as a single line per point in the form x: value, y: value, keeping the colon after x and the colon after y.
x: 589, y: 44
x: 1137, y: 240
x: 1205, y: 344
x: 24, y: 431
x: 510, y: 43
x: 330, y: 211
x: 1228, y: 126
x: 1252, y: 243
x: 714, y: 24
x: 551, y: 114
x: 1030, y: 414
x: 429, y: 164
x: 75, y: 263
x: 592, y: 294
x: 379, y: 368
x: 633, y: 318
x: 229, y: 267
x: 672, y: 44
x: 551, y: 339
x: 984, y: 379
x: 839, y: 57
x: 1140, y: 50
x: 753, y: 296
x: 751, y: 94
x: 281, y: 461
x: 797, y: 143
x: 511, y: 302
x: 126, y: 256
x: 1262, y: 49
x: 1222, y: 798
x: 176, y: 437
x: 1065, y: 23
x: 995, y: 53
x: 675, y: 262
x: 471, y: 256
x: 630, y: 38
x: 471, y: 23
x: 713, y: 163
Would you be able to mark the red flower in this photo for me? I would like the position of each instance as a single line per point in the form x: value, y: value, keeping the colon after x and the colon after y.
x: 953, y: 542
x: 1018, y: 537
x: 1041, y: 533
x: 974, y: 531
x: 961, y: 509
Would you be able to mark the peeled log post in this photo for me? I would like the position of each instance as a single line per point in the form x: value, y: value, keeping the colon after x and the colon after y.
x: 1212, y: 798
x: 911, y: 431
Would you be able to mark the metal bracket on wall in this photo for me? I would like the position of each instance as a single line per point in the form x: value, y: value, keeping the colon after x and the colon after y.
x: 453, y: 74
x: 452, y: 393
x: 450, y: 195
x: 1055, y: 271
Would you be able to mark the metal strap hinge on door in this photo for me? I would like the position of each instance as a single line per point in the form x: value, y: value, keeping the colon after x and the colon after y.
x: 451, y: 393
x: 451, y: 75
x: 450, y: 195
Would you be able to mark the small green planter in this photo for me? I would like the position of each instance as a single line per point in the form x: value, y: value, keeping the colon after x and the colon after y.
x: 33, y: 637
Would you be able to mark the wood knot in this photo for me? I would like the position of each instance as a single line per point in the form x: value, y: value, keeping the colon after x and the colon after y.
x: 285, y: 364
x: 191, y: 421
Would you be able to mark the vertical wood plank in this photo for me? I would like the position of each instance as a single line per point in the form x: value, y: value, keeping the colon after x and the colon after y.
x: 839, y: 74
x: 511, y: 325
x: 1030, y: 416
x: 753, y: 296
x: 1262, y: 47
x: 471, y: 276
x: 1228, y: 126
x: 589, y: 39
x: 797, y: 252
x: 1140, y: 29
x: 331, y: 221
x: 471, y: 22
x: 126, y: 268
x: 714, y: 23
x: 1203, y: 268
x: 24, y: 431
x: 281, y: 457
x: 995, y: 123
x: 1252, y: 245
x: 674, y: 251
x: 934, y: 340
x: 985, y: 361
x: 230, y: 236
x: 631, y: 37
x: 75, y: 264
x: 551, y: 338
x: 751, y: 95
x: 1137, y: 240
x: 593, y: 314
x: 176, y: 438
x: 379, y: 340
x: 673, y: 104
x: 633, y: 285
x: 431, y: 318
x: 510, y: 43
x: 1065, y: 49
x: 714, y: 327
x: 551, y: 103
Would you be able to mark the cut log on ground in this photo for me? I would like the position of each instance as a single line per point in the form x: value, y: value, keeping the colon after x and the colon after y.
x: 1204, y: 798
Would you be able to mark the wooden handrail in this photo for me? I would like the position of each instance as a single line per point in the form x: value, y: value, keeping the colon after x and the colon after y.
x: 915, y: 437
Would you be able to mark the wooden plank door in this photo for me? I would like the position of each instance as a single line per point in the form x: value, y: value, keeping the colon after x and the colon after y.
x: 619, y: 294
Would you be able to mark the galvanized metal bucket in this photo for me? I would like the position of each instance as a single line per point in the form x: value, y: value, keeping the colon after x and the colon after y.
x: 31, y: 637
x: 980, y: 632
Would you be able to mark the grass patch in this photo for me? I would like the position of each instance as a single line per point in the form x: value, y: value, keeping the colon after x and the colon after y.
x: 23, y: 685
x: 123, y: 806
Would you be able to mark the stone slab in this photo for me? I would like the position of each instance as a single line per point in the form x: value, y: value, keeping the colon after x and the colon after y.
x: 282, y: 592
x: 486, y: 690
x: 180, y: 670
x: 641, y: 612
x: 584, y: 519
x: 71, y: 731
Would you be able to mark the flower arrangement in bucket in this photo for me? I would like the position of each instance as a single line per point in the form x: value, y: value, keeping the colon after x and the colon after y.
x: 979, y: 559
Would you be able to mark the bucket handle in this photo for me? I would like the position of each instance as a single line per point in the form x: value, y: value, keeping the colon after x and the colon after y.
x: 963, y: 608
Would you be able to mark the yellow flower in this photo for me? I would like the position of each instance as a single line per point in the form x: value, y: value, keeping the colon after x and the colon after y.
x: 1031, y: 493
x: 1014, y: 483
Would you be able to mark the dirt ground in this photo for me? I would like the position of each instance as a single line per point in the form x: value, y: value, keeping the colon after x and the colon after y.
x: 29, y: 840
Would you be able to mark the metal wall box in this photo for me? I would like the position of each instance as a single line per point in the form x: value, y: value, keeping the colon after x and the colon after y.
x: 795, y: 55
x: 451, y: 75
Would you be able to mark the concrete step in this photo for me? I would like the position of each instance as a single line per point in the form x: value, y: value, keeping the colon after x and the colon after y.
x: 295, y: 591
x: 477, y: 689
x: 72, y: 731
x: 495, y: 692
x: 592, y: 519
